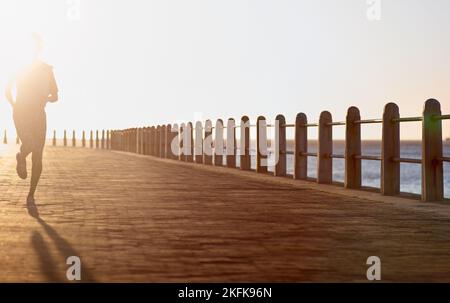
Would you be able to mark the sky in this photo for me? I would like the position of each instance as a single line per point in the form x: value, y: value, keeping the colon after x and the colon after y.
x: 126, y: 63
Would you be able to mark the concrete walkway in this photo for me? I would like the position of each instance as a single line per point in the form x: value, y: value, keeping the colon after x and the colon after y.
x: 136, y: 218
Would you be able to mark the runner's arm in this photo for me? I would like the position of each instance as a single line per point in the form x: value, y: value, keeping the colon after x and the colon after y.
x: 53, y: 92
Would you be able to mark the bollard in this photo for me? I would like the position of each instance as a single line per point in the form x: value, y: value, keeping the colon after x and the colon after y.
x: 352, y: 149
x: 231, y: 143
x: 189, y: 143
x: 74, y: 142
x: 103, y: 139
x: 175, y: 142
x: 97, y: 139
x: 261, y: 145
x: 280, y: 146
x: 301, y: 148
x: 207, y: 144
x: 162, y: 151
x: 198, y: 148
x: 138, y: 140
x: 83, y: 139
x: 218, y: 143
x: 108, y: 139
x: 65, y: 138
x: 432, y: 167
x: 54, y: 138
x: 325, y: 149
x: 244, y: 146
x: 168, y: 146
x: 91, y: 139
x: 152, y: 136
x: 158, y: 141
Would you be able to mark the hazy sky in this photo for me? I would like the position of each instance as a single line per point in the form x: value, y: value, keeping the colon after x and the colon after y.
x: 128, y: 62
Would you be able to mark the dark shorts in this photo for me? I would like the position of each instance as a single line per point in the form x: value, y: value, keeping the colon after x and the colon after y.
x: 31, y: 126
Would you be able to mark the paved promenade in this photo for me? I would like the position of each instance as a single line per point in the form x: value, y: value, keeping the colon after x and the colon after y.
x: 136, y: 218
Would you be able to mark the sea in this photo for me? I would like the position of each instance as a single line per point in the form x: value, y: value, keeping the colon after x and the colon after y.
x: 410, y: 173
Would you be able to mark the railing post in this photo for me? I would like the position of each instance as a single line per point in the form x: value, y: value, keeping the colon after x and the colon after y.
x: 432, y: 166
x: 390, y: 149
x: 151, y: 143
x: 5, y: 138
x: 54, y: 138
x: 97, y: 139
x: 118, y: 139
x: 218, y: 143
x: 207, y: 143
x: 244, y: 147
x: 141, y: 144
x: 162, y: 141
x: 175, y: 142
x: 231, y: 143
x: 83, y: 139
x: 65, y: 138
x: 301, y: 147
x: 198, y: 142
x: 168, y: 135
x: 103, y: 139
x: 112, y: 139
x: 189, y: 143
x: 136, y: 140
x: 108, y: 140
x: 352, y: 149
x: 146, y: 140
x: 74, y: 140
x: 325, y: 149
x: 261, y: 145
x: 181, y: 142
x: 158, y: 141
x: 91, y: 139
x: 280, y: 146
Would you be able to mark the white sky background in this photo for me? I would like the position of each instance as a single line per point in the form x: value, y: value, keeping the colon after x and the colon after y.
x: 134, y: 63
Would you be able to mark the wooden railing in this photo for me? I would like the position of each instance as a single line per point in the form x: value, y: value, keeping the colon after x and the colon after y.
x: 177, y: 142
x: 158, y: 141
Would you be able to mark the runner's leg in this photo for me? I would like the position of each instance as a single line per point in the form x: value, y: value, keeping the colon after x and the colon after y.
x: 37, y: 152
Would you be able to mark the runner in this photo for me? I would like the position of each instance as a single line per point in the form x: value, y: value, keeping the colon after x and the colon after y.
x: 34, y: 87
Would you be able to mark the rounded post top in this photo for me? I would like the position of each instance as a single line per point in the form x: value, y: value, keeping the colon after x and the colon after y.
x: 280, y: 118
x: 325, y: 116
x: 301, y: 117
x: 391, y: 107
x: 353, y: 113
x: 245, y: 118
x: 432, y: 105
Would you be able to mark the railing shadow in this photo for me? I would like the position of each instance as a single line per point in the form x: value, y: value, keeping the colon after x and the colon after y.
x: 64, y: 248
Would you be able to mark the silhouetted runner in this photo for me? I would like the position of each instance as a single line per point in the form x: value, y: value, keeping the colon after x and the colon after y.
x: 35, y: 86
